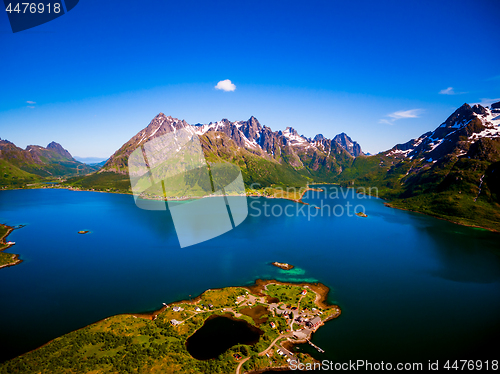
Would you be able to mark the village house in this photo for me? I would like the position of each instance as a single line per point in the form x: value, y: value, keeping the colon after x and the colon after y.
x: 314, y: 322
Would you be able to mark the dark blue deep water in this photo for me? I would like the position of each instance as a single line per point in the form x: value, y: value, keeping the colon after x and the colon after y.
x: 410, y: 287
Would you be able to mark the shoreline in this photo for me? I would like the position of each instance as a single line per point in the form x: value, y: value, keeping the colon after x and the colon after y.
x: 15, y: 257
x: 317, y: 287
x: 299, y: 200
x: 389, y: 205
x: 386, y: 203
x: 256, y: 288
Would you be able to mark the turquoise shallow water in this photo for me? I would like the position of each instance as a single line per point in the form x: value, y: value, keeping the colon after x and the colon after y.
x: 411, y: 287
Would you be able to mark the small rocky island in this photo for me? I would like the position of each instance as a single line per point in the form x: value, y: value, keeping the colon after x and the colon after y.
x: 275, y: 316
x: 282, y: 265
x: 361, y: 214
x: 83, y: 231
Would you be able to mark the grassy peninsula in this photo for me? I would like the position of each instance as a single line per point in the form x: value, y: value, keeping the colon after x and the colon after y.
x: 155, y: 343
x: 6, y: 259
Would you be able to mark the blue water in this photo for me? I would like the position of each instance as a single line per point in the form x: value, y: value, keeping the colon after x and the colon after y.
x: 410, y: 287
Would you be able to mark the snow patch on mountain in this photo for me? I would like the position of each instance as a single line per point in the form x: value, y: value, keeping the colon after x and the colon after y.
x: 295, y: 139
x: 399, y: 152
x: 449, y: 136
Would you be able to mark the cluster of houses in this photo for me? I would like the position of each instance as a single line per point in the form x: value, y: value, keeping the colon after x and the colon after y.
x: 310, y: 323
x: 315, y: 322
x: 177, y: 308
x: 302, y: 318
x: 239, y: 299
x: 288, y: 355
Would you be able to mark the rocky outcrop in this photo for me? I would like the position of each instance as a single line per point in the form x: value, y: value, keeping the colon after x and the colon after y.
x: 285, y: 147
x: 56, y: 147
x: 348, y: 144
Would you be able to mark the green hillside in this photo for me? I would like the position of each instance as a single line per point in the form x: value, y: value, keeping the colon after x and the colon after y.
x: 258, y: 170
x: 38, y: 161
x: 461, y: 189
x: 12, y: 176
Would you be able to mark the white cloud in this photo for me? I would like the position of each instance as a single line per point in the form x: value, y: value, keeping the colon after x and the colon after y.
x: 31, y: 102
x: 225, y: 85
x: 447, y: 91
x: 412, y: 113
x: 400, y: 114
x: 488, y: 102
x: 32, y: 107
x: 495, y: 78
x: 450, y: 91
x: 386, y: 121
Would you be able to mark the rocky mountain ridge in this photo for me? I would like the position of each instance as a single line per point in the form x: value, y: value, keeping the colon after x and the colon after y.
x: 452, y: 172
x: 247, y: 139
x: 348, y: 144
x: 36, y: 160
x: 463, y: 128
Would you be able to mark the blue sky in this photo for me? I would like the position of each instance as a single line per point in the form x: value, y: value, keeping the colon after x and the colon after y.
x: 383, y: 72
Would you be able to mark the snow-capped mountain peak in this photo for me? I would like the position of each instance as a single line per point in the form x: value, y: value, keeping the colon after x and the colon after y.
x: 455, y: 135
x: 294, y: 138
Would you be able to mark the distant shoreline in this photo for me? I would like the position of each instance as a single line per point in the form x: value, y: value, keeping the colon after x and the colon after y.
x: 389, y: 205
x: 299, y: 200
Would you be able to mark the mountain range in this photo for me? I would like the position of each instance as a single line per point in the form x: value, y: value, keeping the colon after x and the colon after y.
x: 452, y: 172
x: 19, y: 166
x: 265, y: 157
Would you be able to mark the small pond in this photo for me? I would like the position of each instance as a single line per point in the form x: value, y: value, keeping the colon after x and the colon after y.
x: 218, y: 334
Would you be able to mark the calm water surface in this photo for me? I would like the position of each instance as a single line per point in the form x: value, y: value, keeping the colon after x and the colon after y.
x: 218, y: 334
x: 411, y: 287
